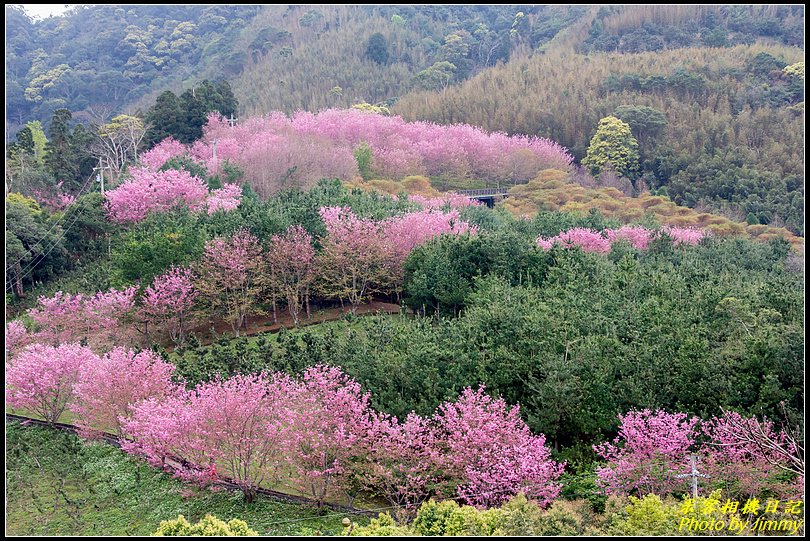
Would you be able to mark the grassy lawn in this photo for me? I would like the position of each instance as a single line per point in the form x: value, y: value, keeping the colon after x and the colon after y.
x: 59, y: 485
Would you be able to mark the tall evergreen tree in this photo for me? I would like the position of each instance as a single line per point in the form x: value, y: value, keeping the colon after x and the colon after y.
x: 60, y: 156
x: 193, y: 116
x: 163, y: 118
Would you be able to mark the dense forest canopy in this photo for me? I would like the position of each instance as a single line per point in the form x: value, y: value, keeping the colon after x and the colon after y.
x: 283, y: 57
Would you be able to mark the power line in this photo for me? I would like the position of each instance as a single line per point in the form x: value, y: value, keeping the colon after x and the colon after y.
x: 56, y: 223
x: 34, y: 262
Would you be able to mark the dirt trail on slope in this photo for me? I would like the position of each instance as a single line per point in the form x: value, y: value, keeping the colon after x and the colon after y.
x: 265, y: 324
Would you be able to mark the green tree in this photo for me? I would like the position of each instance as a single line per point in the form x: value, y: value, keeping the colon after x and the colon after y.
x: 35, y: 243
x: 436, y: 77
x: 613, y: 144
x: 162, y: 240
x: 192, y: 116
x: 164, y: 118
x: 364, y: 159
x: 644, y: 121
x: 377, y: 49
x: 39, y: 140
x: 61, y: 157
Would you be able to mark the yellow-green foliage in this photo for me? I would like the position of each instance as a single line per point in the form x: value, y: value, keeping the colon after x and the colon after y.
x: 384, y: 526
x: 519, y: 516
x: 646, y: 516
x: 207, y: 526
x: 614, y: 144
x: 376, y: 109
x: 796, y: 69
x: 552, y: 191
x: 411, y: 185
x: 651, y: 515
x: 15, y: 198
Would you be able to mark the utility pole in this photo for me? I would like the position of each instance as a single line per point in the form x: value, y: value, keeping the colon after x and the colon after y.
x: 694, y: 474
x: 100, y: 175
x: 232, y: 121
x: 215, y: 150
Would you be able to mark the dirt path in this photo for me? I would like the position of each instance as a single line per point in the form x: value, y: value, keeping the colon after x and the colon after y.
x: 264, y: 324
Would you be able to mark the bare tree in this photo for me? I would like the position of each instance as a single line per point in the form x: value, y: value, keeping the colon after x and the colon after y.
x: 118, y: 142
x: 786, y: 453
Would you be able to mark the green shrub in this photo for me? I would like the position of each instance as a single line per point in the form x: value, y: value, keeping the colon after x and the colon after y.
x: 383, y: 526
x: 208, y: 526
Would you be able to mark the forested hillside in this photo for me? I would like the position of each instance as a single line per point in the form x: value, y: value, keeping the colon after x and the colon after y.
x: 722, y: 128
x: 282, y: 57
x: 108, y: 56
x: 635, y: 29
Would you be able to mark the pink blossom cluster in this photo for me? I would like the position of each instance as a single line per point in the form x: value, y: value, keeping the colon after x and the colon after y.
x: 587, y: 239
x: 276, y: 150
x: 291, y: 262
x: 57, y: 200
x: 684, y: 235
x: 360, y: 256
x: 319, y: 435
x: 650, y: 450
x: 99, y: 319
x: 158, y: 155
x: 638, y: 237
x: 601, y: 242
x: 41, y: 378
x: 652, y: 453
x: 226, y: 198
x: 492, y: 453
x: 149, y: 191
x: 99, y: 390
x: 16, y: 336
x: 732, y: 457
x: 450, y: 200
x: 169, y: 300
x: 405, y: 232
x: 110, y: 384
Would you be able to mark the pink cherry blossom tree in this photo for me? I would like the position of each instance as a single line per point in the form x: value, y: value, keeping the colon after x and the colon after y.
x: 652, y: 448
x: 226, y: 198
x: 41, y: 379
x: 638, y: 237
x: 291, y: 264
x: 231, y: 278
x: 403, y: 462
x: 354, y: 259
x: 405, y: 232
x: 102, y: 320
x: 330, y: 420
x: 168, y: 302
x: 587, y: 239
x: 747, y: 455
x: 109, y: 386
x: 684, y: 235
x: 489, y: 454
x: 238, y: 425
x: 17, y: 336
x: 159, y: 154
x: 149, y: 191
